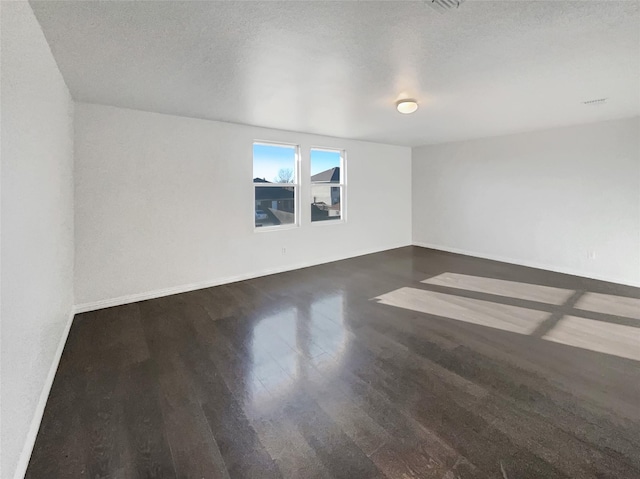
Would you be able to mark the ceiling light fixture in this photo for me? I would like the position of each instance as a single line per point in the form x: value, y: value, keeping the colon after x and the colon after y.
x: 407, y: 106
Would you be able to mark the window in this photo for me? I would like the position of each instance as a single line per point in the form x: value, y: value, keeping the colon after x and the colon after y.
x: 275, y: 181
x: 327, y: 185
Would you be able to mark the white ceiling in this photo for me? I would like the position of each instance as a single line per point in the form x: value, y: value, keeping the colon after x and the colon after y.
x: 337, y: 68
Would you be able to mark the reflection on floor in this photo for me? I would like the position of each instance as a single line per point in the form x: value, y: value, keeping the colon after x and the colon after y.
x: 281, y: 355
x: 458, y: 368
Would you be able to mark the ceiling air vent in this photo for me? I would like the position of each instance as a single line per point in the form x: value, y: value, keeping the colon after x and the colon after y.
x: 441, y: 6
x: 598, y: 101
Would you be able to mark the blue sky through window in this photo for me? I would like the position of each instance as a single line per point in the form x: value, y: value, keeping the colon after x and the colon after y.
x: 269, y: 159
x: 322, y: 160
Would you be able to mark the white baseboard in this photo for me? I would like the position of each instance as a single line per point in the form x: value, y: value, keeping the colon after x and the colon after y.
x: 27, y: 449
x: 133, y: 298
x: 529, y: 264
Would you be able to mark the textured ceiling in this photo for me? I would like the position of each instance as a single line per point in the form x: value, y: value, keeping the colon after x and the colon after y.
x: 336, y: 68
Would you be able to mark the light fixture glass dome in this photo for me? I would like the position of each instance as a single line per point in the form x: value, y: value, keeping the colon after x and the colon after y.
x: 407, y: 106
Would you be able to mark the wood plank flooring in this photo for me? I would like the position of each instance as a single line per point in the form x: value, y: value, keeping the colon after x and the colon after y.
x: 410, y: 363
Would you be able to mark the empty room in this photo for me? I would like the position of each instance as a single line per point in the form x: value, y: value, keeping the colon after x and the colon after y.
x: 313, y: 239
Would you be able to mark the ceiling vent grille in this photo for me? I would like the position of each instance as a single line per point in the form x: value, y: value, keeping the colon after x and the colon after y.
x: 442, y: 6
x: 598, y: 101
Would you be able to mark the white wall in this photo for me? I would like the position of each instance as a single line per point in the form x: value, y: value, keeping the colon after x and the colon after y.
x: 37, y: 228
x: 544, y: 199
x: 165, y: 203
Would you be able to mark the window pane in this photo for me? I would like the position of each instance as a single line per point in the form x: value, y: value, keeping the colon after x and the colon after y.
x: 325, y: 166
x: 274, y: 163
x: 274, y: 205
x: 325, y: 202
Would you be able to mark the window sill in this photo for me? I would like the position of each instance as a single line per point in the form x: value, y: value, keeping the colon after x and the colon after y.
x: 328, y: 222
x: 267, y: 229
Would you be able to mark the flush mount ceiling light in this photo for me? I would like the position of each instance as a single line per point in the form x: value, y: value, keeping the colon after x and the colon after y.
x: 407, y: 106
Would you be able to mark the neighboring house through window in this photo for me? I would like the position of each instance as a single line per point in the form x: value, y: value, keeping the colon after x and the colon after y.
x: 327, y: 184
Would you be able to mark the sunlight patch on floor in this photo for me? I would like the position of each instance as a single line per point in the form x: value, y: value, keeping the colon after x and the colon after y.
x: 599, y: 336
x: 501, y: 287
x: 610, y: 304
x: 616, y: 339
x: 475, y: 311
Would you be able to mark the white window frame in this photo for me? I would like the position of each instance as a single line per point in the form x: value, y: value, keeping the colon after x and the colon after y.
x: 295, y: 185
x: 342, y: 185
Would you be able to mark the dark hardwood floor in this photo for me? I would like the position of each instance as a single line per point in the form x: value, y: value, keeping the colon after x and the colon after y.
x: 410, y: 363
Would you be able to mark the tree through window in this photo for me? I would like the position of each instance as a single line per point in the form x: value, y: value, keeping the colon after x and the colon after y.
x: 275, y: 180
